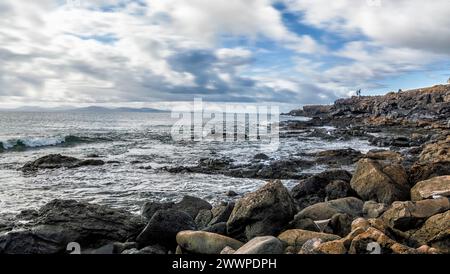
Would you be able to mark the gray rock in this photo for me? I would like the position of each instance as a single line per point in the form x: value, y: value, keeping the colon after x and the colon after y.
x: 201, y: 242
x: 163, y: 228
x: 203, y: 218
x: 261, y: 213
x: 54, y: 161
x: 262, y: 245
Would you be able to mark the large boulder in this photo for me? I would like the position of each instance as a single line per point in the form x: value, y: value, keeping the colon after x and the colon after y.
x: 379, y: 181
x: 409, y: 215
x: 435, y: 232
x: 53, y: 161
x: 63, y: 221
x: 201, y: 242
x: 295, y: 238
x: 314, y: 189
x: 434, y: 160
x: 163, y: 228
x: 262, y: 245
x: 261, y: 213
x: 321, y: 211
x: 437, y: 186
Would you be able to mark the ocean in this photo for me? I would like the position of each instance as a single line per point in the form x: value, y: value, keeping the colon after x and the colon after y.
x: 135, y: 147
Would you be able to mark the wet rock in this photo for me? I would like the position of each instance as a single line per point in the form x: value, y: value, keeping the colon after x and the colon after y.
x: 261, y: 156
x: 381, y: 182
x: 262, y: 245
x: 296, y: 238
x: 372, y: 209
x: 437, y: 186
x: 435, y: 232
x: 54, y: 161
x: 409, y: 215
x: 163, y: 228
x: 321, y: 211
x: 192, y: 205
x: 313, y: 189
x: 201, y: 242
x: 338, y: 157
x: 231, y: 193
x: 261, y: 213
x: 62, y: 221
x: 385, y: 155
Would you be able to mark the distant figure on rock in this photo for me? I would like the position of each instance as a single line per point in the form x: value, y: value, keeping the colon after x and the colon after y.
x: 358, y: 93
x: 448, y: 81
x: 400, y: 90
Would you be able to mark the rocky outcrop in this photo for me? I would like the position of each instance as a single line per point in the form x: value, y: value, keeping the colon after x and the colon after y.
x: 59, y: 161
x: 261, y: 213
x: 380, y: 181
x: 63, y: 221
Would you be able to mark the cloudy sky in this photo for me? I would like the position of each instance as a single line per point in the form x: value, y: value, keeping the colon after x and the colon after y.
x: 158, y: 52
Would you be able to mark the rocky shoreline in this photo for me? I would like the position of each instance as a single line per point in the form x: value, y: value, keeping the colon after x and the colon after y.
x: 392, y: 200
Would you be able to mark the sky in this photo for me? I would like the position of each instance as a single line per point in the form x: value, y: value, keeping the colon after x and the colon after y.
x: 160, y: 53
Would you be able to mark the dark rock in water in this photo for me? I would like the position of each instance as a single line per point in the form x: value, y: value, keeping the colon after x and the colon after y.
x: 380, y: 181
x: 325, y: 210
x: 189, y: 204
x: 192, y: 205
x: 2, y: 148
x: 28, y: 214
x: 409, y: 215
x: 261, y: 156
x: 338, y: 157
x: 93, y: 155
x: 218, y: 228
x: 62, y: 221
x: 264, y: 212
x: 163, y: 228
x: 231, y: 193
x: 59, y: 161
x: 313, y: 189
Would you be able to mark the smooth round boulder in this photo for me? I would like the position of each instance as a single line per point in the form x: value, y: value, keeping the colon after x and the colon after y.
x: 201, y: 242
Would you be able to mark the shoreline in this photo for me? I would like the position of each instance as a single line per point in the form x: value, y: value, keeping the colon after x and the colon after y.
x: 397, y: 197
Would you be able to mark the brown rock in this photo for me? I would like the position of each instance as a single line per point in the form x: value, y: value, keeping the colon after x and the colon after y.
x: 435, y: 232
x: 297, y: 237
x: 431, y: 187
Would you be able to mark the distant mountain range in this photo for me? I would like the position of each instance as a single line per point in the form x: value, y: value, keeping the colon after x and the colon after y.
x: 84, y: 109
